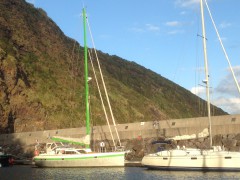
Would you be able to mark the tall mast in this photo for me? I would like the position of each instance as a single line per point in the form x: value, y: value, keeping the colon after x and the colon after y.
x: 206, y: 71
x: 86, y: 74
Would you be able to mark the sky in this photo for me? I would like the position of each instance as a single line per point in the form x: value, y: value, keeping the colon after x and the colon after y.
x: 164, y: 36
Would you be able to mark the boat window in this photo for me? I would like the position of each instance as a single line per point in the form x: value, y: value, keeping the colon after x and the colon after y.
x: 233, y: 119
x: 52, y: 146
x: 70, y: 152
x: 193, y: 158
x: 165, y: 158
x: 173, y: 123
x: 82, y: 151
x: 228, y: 157
x: 61, y: 152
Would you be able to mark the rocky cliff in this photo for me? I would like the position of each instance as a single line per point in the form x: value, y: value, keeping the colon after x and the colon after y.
x: 42, y: 87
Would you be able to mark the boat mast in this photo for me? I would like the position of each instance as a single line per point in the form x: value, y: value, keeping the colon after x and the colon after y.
x: 86, y: 75
x: 206, y: 71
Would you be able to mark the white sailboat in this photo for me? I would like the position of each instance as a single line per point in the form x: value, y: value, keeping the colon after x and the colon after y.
x: 215, y: 158
x: 58, y: 155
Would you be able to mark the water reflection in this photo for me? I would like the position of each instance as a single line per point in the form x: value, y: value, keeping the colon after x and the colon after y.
x: 80, y: 173
x: 132, y: 173
x: 196, y: 175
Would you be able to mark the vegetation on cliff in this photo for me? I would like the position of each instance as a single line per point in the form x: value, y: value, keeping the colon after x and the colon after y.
x: 41, y: 79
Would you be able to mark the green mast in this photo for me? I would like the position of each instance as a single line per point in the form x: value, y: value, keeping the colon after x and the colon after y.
x: 86, y: 74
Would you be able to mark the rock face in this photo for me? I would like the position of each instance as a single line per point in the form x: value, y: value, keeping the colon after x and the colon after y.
x: 14, y: 103
x: 42, y: 83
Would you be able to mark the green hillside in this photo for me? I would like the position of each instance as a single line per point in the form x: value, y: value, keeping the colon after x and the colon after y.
x: 42, y: 79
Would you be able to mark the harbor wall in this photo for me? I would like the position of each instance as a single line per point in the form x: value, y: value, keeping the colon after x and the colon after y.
x: 224, y: 125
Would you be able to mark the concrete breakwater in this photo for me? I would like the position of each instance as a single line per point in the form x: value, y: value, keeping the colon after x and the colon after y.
x: 138, y: 136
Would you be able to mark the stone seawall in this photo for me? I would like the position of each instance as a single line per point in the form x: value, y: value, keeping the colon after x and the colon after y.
x: 138, y: 136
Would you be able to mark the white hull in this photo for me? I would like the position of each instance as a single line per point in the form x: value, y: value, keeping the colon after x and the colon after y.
x: 193, y: 159
x: 110, y: 159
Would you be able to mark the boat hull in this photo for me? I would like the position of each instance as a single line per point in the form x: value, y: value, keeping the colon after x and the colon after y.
x: 210, y: 161
x: 111, y: 159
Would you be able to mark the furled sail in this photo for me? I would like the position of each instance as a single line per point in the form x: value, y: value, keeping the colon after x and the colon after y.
x: 202, y: 134
x: 80, y: 141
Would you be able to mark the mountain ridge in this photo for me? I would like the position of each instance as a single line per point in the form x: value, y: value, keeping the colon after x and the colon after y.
x: 42, y: 83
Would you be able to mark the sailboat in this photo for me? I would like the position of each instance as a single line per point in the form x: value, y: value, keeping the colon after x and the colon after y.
x: 59, y: 155
x: 214, y: 158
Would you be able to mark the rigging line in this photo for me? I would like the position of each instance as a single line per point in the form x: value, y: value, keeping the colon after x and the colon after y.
x: 72, y: 79
x: 66, y: 78
x: 72, y: 58
x: 75, y: 71
x: 83, y: 4
x: 100, y: 94
x: 104, y: 86
x: 71, y: 68
x: 225, y: 53
x: 197, y: 71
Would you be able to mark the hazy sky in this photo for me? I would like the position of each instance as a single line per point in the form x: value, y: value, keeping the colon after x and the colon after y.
x: 162, y: 35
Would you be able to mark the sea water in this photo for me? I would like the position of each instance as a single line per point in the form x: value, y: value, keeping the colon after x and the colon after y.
x: 132, y: 173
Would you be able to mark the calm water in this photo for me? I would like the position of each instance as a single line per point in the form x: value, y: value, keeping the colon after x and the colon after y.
x: 31, y: 173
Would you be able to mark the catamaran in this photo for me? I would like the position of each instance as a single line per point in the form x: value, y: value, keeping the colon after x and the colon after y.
x: 60, y: 155
x: 215, y: 158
